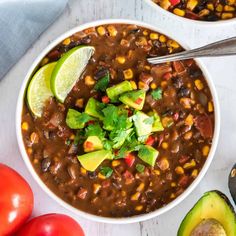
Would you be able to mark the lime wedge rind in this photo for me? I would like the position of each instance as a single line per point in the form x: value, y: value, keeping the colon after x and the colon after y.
x: 68, y: 70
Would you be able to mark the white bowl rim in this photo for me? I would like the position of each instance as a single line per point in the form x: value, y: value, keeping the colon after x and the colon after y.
x: 188, y: 20
x: 124, y: 220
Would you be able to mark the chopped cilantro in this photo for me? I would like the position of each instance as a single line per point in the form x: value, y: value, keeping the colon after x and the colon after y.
x: 94, y: 130
x: 157, y: 94
x: 79, y: 137
x: 110, y: 117
x: 106, y: 171
x: 140, y: 168
x: 102, y: 84
x: 118, y: 137
x: 107, y: 144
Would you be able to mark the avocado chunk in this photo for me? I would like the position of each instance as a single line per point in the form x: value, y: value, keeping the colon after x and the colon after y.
x: 93, y: 108
x: 114, y: 91
x: 134, y: 99
x: 148, y: 154
x: 77, y: 120
x: 157, y: 125
x: 142, y: 123
x: 91, y: 161
x: 212, y: 212
x: 92, y: 143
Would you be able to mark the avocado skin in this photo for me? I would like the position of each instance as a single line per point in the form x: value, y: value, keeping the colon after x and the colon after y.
x: 232, y: 183
x: 211, y: 199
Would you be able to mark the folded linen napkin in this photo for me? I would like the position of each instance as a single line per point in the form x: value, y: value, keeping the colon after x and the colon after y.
x: 21, y: 22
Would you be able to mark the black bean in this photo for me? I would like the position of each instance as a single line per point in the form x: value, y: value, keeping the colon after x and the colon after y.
x: 134, y: 31
x: 45, y: 164
x: 183, y: 92
x: 86, y: 40
x: 167, y: 112
x: 177, y: 82
x: 100, y: 73
x: 157, y: 44
x: 194, y: 73
x: 92, y: 174
x: 212, y: 17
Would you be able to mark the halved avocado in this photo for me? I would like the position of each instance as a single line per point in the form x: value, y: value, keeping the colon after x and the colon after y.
x: 213, y: 214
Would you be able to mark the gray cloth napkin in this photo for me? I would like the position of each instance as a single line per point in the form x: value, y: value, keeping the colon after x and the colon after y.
x: 21, y: 22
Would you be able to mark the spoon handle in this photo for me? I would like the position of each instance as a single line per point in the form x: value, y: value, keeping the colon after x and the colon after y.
x: 224, y: 47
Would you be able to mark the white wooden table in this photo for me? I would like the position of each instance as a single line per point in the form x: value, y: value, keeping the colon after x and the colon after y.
x: 223, y: 71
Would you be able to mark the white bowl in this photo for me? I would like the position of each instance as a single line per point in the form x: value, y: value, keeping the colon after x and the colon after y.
x: 124, y: 220
x: 187, y: 20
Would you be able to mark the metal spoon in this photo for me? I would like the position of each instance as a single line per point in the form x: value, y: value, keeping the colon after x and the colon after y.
x: 226, y: 47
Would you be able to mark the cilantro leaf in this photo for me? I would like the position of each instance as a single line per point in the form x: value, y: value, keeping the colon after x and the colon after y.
x: 102, y: 83
x: 77, y: 120
x: 106, y: 171
x: 107, y: 144
x: 140, y: 168
x: 94, y: 130
x: 110, y: 117
x: 118, y: 137
x: 157, y: 94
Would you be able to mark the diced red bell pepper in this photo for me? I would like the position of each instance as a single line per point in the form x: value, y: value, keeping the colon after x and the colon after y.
x: 176, y: 116
x: 91, y: 122
x: 167, y: 76
x: 129, y: 159
x: 204, y: 124
x: 139, y: 101
x: 174, y: 2
x: 88, y: 144
x: 105, y: 99
x: 179, y: 67
x: 150, y: 141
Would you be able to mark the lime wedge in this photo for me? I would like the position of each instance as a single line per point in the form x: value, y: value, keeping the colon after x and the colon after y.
x: 68, y: 70
x: 39, y: 89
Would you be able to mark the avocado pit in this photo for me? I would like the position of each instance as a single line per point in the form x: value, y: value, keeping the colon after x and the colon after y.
x: 208, y: 227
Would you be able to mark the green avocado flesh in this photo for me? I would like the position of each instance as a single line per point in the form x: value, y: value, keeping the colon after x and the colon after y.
x: 211, y: 215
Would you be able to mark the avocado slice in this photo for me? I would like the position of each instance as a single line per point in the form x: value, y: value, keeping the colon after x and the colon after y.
x: 142, y: 125
x: 93, y: 108
x: 157, y: 125
x: 148, y: 154
x: 212, y: 212
x: 134, y: 99
x: 91, y: 161
x: 92, y: 143
x: 114, y: 91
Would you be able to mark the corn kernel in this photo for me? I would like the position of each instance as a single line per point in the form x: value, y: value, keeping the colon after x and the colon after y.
x: 79, y: 102
x: 179, y: 12
x: 36, y: 161
x: 101, y: 176
x: 44, y: 61
x: 139, y: 208
x: 156, y: 172
x: 172, y: 195
x: 142, y: 85
x: 101, y: 30
x: 165, y: 4
x: 219, y: 8
x: 188, y: 135
x: 204, y: 12
x: 198, y: 83
x: 154, y: 36
x: 89, y: 81
x: 124, y: 43
x: 163, y: 84
x: 189, y: 120
x: 123, y: 193
x: 163, y: 164
x: 205, y: 150
x: 140, y: 187
x: 72, y: 137
x: 130, y: 54
x: 96, y: 188
x: 210, y: 6
x: 179, y: 170
x: 115, y: 163
x: 141, y: 41
x: 225, y: 16
x: 164, y: 145
x: 135, y: 196
x: 25, y: 126
x: 128, y: 74
x: 167, y: 121
x: 112, y: 30
x: 194, y: 173
x: 162, y: 38
x: 147, y: 67
x: 231, y: 2
x: 151, y: 184
x: 153, y: 85
x: 172, y: 43
x: 120, y: 59
x: 145, y: 32
x: 190, y: 164
x: 133, y: 84
x: 191, y: 4
x: 173, y: 184
x: 66, y: 41
x: 185, y: 102
x: 29, y: 151
x: 34, y: 138
x: 83, y: 171
x: 210, y: 107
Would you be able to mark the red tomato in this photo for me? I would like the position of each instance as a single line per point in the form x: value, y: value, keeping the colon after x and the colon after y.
x: 51, y: 225
x: 16, y: 200
x: 150, y: 141
x: 174, y: 2
x: 129, y: 159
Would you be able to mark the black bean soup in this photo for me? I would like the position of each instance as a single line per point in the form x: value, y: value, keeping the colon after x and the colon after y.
x: 177, y: 92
